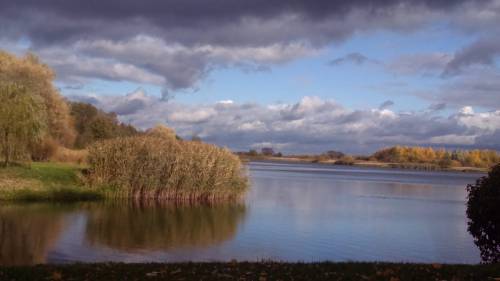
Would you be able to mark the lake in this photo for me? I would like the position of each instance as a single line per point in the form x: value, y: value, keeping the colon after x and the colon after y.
x: 293, y: 212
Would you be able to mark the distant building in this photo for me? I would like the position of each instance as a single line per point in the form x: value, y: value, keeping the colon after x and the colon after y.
x: 268, y: 151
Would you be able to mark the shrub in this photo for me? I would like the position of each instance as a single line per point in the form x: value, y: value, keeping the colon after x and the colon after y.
x: 67, y: 155
x: 345, y: 160
x: 483, y: 211
x: 161, y: 131
x: 149, y: 167
x: 44, y: 150
x: 93, y: 125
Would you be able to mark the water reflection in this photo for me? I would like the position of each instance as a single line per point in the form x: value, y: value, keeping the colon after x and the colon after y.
x: 28, y: 232
x: 310, y: 215
x: 154, y: 227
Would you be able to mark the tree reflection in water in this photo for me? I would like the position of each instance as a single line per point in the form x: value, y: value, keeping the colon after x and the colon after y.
x: 154, y: 226
x: 28, y: 232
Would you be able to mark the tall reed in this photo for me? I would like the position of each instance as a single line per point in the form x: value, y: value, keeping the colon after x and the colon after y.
x: 163, y: 168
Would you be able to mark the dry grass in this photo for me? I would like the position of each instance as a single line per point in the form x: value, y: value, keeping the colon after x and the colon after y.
x: 66, y: 155
x: 163, y: 168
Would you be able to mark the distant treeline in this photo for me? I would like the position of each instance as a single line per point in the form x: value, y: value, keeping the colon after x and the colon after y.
x: 441, y: 157
x: 413, y: 157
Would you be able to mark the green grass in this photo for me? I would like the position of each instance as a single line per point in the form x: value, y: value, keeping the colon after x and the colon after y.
x: 45, y: 182
x: 252, y: 271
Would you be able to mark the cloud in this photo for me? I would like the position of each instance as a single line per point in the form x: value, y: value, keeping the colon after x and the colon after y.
x: 311, y: 125
x: 175, y: 44
x: 437, y: 106
x: 419, y: 64
x: 150, y: 60
x: 354, y: 58
x: 476, y: 88
x: 481, y: 52
x: 193, y: 22
x: 386, y: 104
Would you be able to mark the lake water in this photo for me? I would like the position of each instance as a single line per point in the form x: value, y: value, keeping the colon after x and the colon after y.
x: 293, y: 212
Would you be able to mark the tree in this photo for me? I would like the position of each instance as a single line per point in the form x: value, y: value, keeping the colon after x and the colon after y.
x: 334, y: 154
x: 268, y: 151
x: 483, y: 212
x: 36, y: 78
x: 22, y: 122
x: 93, y: 124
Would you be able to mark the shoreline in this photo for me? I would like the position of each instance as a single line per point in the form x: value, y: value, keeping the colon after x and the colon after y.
x: 262, y: 271
x: 60, y: 182
x: 361, y: 163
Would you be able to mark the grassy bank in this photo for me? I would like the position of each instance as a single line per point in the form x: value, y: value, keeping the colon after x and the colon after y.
x: 262, y: 271
x: 45, y: 182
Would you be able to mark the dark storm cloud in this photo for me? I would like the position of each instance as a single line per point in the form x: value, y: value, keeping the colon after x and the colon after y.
x: 175, y: 44
x: 69, y: 20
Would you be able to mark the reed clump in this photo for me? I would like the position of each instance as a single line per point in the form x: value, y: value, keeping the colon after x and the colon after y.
x: 164, y: 168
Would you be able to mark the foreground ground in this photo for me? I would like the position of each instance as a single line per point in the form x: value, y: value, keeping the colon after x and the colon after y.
x: 262, y: 271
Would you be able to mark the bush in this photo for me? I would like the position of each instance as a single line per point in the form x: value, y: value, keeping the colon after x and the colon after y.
x: 483, y: 211
x: 149, y: 167
x: 67, y: 155
x: 345, y: 160
x: 44, y: 150
x: 93, y: 125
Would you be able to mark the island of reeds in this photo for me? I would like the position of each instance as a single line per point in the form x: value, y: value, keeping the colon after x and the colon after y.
x: 158, y: 166
x: 54, y: 149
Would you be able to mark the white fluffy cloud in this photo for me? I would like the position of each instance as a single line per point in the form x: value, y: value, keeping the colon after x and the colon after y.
x: 151, y: 60
x: 310, y: 125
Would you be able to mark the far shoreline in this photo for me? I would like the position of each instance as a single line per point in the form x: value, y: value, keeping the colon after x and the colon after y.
x: 361, y: 163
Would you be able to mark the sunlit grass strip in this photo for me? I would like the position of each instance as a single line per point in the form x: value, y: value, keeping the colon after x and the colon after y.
x: 45, y: 182
x: 149, y: 167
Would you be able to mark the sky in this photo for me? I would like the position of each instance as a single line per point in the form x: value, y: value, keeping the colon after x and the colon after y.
x: 298, y: 76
